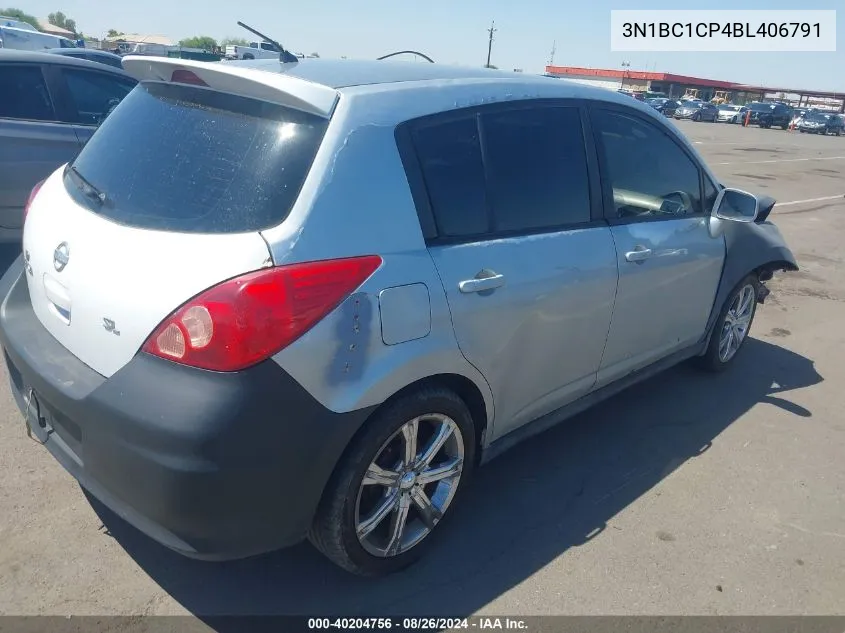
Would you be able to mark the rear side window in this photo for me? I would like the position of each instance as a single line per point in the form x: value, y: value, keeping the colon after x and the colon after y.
x: 95, y: 94
x: 506, y: 171
x: 25, y: 94
x: 179, y: 158
x: 536, y: 168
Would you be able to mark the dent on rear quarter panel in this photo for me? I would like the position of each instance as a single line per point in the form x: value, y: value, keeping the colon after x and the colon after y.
x: 748, y: 246
x: 353, y: 330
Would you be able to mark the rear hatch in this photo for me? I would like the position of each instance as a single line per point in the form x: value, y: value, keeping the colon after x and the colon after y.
x: 167, y: 199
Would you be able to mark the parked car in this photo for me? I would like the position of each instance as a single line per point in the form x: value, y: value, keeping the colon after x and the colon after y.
x: 798, y: 114
x: 27, y: 39
x: 255, y: 50
x: 5, y: 20
x: 92, y: 55
x: 330, y: 379
x: 729, y: 113
x: 768, y: 115
x: 697, y: 111
x: 666, y: 107
x: 821, y: 123
x: 59, y: 101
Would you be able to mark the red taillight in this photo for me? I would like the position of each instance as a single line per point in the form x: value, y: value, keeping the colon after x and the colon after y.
x: 31, y: 197
x: 247, y: 319
x: 182, y: 76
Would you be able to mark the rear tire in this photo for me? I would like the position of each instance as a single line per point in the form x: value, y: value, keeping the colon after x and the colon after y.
x: 375, y: 489
x: 732, y: 326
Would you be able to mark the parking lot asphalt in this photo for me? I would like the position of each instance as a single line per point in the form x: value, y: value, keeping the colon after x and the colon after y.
x: 688, y: 494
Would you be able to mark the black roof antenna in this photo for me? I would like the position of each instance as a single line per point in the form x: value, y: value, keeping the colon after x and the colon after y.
x: 284, y: 56
x: 418, y: 54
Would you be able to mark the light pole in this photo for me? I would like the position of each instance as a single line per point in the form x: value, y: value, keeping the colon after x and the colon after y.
x: 626, y: 66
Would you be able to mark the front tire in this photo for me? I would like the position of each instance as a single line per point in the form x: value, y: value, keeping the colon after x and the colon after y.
x: 396, y: 483
x: 732, y: 326
x: 696, y: 118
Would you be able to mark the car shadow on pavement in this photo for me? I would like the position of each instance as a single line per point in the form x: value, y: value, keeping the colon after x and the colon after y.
x: 552, y: 493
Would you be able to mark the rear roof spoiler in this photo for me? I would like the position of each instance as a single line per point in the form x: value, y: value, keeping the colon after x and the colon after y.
x: 278, y: 88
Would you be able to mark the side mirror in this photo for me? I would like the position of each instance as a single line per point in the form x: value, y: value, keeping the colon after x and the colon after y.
x: 736, y: 205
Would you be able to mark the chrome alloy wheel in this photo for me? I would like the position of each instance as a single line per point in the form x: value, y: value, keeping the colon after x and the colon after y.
x: 737, y: 322
x: 409, y: 485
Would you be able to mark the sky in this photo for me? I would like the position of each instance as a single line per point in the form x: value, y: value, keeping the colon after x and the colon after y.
x: 455, y: 31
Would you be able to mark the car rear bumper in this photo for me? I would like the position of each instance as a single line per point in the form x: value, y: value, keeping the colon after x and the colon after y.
x: 213, y: 465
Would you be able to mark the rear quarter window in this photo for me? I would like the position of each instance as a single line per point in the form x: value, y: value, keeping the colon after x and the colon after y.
x: 185, y: 159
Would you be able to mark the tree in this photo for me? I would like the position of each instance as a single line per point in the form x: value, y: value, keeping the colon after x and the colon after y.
x: 113, y: 33
x: 62, y: 21
x: 199, y: 41
x: 17, y: 14
x: 234, y: 41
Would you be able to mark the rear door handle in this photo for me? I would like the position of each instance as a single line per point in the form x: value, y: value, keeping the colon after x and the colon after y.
x: 638, y: 255
x: 481, y: 284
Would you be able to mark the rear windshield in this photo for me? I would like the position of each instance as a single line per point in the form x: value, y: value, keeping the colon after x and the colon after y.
x: 761, y: 107
x: 817, y: 116
x: 186, y: 159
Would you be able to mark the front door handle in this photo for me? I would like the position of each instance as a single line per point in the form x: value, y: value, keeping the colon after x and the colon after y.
x: 480, y: 284
x: 639, y: 255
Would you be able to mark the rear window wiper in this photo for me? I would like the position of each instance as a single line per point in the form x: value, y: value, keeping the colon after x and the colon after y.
x: 89, y: 190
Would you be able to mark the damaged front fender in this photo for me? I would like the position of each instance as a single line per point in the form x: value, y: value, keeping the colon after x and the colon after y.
x: 750, y: 247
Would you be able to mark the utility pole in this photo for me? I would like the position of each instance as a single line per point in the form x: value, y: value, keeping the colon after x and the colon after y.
x: 552, y: 55
x: 626, y: 66
x: 491, y: 30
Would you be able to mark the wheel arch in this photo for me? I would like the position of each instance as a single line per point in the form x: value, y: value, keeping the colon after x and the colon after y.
x: 750, y: 248
x: 463, y: 387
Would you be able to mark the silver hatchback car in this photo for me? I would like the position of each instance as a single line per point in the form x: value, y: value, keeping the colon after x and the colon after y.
x: 274, y: 301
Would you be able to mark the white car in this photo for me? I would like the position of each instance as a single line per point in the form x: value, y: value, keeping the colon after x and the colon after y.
x: 730, y: 113
x: 255, y: 50
x: 25, y: 39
